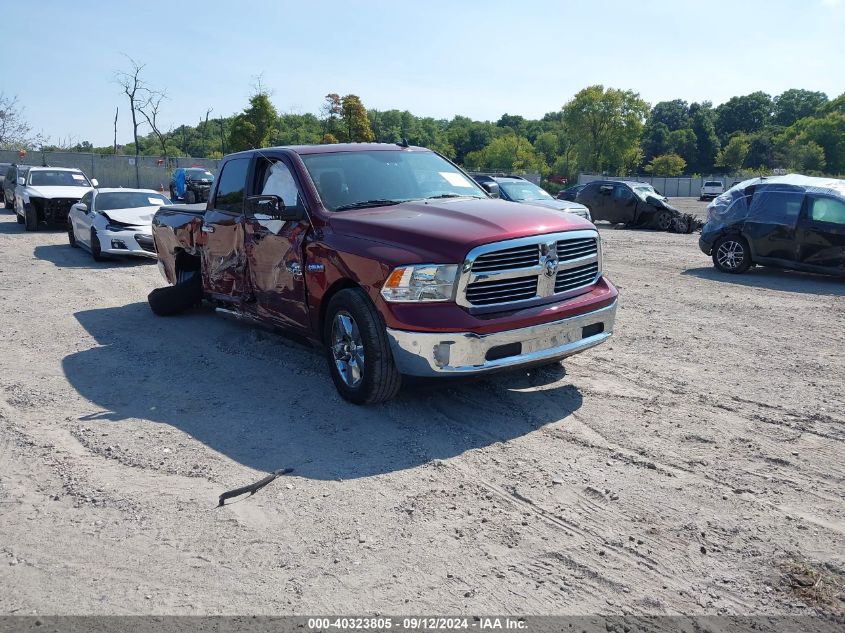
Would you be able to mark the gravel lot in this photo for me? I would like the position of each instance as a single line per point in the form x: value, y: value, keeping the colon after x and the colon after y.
x: 692, y: 465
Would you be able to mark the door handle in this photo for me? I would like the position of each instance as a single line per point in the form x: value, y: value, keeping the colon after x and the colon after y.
x: 207, y: 228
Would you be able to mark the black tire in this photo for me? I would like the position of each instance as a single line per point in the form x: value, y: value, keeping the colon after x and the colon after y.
x: 173, y: 195
x: 380, y: 379
x: 731, y: 255
x: 71, y: 236
x: 172, y: 300
x: 190, y: 198
x: 663, y: 220
x: 18, y: 217
x: 30, y: 218
x: 96, y: 249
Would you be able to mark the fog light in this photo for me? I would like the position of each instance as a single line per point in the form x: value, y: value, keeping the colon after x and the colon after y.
x: 118, y: 244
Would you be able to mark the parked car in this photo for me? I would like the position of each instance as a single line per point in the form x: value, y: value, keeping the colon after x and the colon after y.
x: 4, y: 168
x: 392, y: 259
x: 711, y: 189
x: 46, y: 194
x: 11, y: 175
x: 570, y: 193
x: 190, y: 184
x: 518, y: 189
x: 636, y: 204
x: 115, y: 222
x: 789, y: 221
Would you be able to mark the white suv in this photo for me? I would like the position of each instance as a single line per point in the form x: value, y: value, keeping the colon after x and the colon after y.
x: 46, y: 194
x: 711, y: 189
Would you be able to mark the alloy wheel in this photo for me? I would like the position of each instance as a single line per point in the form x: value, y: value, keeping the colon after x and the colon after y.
x: 730, y: 254
x: 348, y: 349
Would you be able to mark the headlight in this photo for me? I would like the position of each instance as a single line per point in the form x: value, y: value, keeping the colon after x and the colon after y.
x: 422, y: 282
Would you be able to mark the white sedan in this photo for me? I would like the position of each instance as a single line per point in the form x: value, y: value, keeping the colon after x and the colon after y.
x: 115, y: 222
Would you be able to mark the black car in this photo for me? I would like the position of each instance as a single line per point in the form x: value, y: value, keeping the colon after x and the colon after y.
x: 635, y: 204
x: 190, y: 184
x: 519, y: 189
x: 570, y: 193
x: 12, y: 173
x: 790, y: 221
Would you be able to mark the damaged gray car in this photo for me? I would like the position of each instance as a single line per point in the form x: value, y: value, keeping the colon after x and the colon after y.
x: 634, y: 204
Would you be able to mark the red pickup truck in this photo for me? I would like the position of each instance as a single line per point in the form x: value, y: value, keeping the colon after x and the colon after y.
x: 391, y: 258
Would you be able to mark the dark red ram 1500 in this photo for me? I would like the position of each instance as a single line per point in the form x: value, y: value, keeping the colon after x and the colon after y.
x: 392, y: 258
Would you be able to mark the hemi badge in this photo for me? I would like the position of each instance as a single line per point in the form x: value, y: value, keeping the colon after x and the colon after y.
x: 315, y: 268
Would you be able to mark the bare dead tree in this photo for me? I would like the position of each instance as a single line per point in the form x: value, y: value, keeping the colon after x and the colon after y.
x: 116, y: 110
x: 15, y: 132
x: 150, y: 111
x: 135, y: 90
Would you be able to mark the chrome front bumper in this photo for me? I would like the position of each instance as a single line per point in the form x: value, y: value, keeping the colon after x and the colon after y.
x: 466, y: 353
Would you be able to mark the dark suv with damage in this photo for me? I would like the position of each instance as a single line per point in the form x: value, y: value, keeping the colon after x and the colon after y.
x: 390, y: 258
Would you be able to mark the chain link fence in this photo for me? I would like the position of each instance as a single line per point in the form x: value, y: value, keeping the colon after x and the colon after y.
x: 112, y: 170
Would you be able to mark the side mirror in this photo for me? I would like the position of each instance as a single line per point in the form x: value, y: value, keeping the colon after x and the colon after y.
x: 21, y: 181
x: 94, y: 182
x: 272, y: 207
x: 492, y: 188
x: 82, y: 207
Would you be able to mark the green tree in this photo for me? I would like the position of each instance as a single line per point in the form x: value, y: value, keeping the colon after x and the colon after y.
x: 733, y: 155
x: 796, y: 104
x: 607, y: 126
x: 684, y: 143
x: 254, y: 127
x: 673, y: 114
x: 826, y: 131
x: 666, y: 165
x: 702, y: 123
x: 507, y: 153
x: 805, y: 157
x: 354, y: 121
x: 748, y: 113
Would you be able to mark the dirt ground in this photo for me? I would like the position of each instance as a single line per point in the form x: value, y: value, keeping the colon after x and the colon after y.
x: 694, y: 464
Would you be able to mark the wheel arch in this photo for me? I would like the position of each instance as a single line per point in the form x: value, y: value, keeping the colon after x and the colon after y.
x: 341, y: 284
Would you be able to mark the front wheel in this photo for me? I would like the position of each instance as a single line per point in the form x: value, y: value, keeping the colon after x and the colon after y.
x: 731, y: 255
x: 663, y: 220
x: 30, y: 216
x: 357, y: 349
x: 71, y: 236
x: 96, y: 249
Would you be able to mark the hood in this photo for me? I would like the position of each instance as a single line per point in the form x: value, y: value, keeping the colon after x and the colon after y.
x: 443, y: 231
x: 57, y: 192
x: 560, y: 205
x: 137, y: 216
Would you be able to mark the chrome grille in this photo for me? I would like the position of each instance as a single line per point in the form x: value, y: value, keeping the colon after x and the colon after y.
x: 529, y: 271
x: 518, y: 257
x: 576, y: 277
x: 490, y: 292
x: 567, y: 250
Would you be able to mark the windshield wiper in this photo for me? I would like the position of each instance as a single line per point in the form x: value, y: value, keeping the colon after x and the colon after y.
x: 367, y: 203
x: 452, y: 195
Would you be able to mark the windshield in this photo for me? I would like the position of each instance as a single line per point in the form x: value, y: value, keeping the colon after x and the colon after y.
x: 524, y: 190
x: 348, y: 180
x: 129, y: 200
x: 198, y: 174
x: 57, y: 178
x: 713, y: 183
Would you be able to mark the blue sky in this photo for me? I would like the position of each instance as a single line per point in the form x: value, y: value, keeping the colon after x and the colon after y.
x: 432, y: 57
